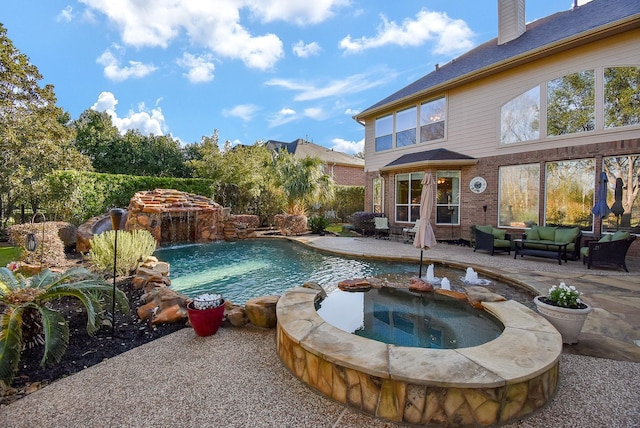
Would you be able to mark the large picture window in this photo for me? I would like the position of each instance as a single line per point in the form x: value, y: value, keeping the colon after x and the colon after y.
x: 408, y: 190
x: 384, y: 131
x: 432, y: 120
x: 448, y: 197
x: 623, y: 174
x: 406, y: 127
x: 621, y: 96
x: 518, y: 198
x: 520, y: 118
x: 569, y: 189
x: 571, y: 103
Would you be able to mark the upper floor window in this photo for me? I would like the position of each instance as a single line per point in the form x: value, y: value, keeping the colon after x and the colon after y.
x: 621, y: 96
x: 406, y: 127
x: 520, y: 118
x: 384, y: 131
x: 432, y: 119
x: 571, y: 103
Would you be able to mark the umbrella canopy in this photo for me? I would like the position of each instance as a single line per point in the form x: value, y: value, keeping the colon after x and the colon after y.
x: 425, y: 238
x: 617, y: 207
x: 600, y: 208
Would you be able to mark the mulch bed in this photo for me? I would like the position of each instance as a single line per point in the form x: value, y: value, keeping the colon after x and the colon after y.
x: 84, y: 350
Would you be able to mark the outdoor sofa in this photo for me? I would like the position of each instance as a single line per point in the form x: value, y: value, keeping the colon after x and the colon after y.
x: 610, y: 250
x: 550, y: 241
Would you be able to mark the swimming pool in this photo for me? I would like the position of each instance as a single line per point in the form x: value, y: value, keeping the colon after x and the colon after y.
x: 246, y: 269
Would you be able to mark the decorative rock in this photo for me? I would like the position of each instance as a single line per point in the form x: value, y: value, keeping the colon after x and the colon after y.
x: 417, y: 284
x: 476, y: 295
x: 451, y: 293
x: 262, y: 311
x: 353, y: 285
x: 236, y: 315
x: 163, y: 305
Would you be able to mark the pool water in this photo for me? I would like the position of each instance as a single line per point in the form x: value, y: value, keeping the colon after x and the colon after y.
x: 246, y: 269
x: 403, y: 318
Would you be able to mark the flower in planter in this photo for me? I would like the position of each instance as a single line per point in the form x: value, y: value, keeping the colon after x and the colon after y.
x: 565, y: 296
x: 13, y: 266
x: 207, y: 301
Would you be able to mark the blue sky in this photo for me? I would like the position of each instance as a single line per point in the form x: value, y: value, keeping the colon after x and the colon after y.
x: 253, y: 69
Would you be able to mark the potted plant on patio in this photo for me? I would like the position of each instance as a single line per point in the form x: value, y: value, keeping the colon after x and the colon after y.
x: 205, y: 313
x: 564, y: 310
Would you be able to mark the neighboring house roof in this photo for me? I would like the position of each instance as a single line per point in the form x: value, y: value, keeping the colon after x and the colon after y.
x: 430, y: 157
x: 301, y: 149
x: 553, y: 33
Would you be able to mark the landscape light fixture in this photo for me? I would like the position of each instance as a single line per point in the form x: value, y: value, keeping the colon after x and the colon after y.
x: 116, y: 215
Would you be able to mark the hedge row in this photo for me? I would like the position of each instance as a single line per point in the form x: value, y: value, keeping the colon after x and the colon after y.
x: 76, y: 196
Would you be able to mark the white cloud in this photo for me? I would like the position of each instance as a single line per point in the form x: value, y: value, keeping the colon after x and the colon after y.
x: 303, y: 50
x: 351, y: 112
x: 65, y: 14
x: 350, y: 85
x: 346, y: 146
x: 243, y: 111
x: 314, y: 113
x: 299, y: 12
x: 146, y: 121
x: 113, y: 70
x: 215, y: 25
x: 452, y: 35
x: 285, y: 115
x: 199, y: 68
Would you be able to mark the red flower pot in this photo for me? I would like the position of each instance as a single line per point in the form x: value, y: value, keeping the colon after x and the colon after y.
x: 205, y: 322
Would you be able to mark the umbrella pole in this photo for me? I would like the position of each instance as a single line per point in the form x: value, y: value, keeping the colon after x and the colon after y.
x: 420, y: 274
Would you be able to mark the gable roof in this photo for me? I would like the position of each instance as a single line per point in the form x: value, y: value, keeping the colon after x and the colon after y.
x: 553, y: 33
x: 430, y: 157
x: 301, y: 149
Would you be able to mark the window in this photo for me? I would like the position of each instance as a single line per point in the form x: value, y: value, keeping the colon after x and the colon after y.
x: 518, y: 196
x: 621, y: 96
x: 406, y: 127
x: 384, y: 130
x: 432, y: 118
x: 378, y: 196
x: 623, y: 173
x: 571, y: 103
x: 520, y: 118
x: 569, y: 189
x: 408, y: 191
x: 448, y: 197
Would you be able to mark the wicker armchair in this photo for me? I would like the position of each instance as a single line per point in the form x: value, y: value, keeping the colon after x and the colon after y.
x: 607, y: 253
x: 492, y: 240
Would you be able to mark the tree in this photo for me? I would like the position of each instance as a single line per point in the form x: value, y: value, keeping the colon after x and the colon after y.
x: 303, y: 181
x: 131, y: 153
x: 35, y: 138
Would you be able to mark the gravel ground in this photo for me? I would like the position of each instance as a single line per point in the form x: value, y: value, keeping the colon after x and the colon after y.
x: 235, y: 379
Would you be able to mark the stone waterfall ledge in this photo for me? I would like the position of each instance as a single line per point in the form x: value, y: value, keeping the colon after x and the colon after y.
x: 500, y: 381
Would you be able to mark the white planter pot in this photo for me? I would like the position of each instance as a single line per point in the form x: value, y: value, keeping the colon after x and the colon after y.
x: 567, y: 321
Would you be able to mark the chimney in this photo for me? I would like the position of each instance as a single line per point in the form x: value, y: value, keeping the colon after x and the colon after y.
x: 511, y: 20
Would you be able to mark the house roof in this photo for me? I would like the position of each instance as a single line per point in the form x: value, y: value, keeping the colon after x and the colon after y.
x: 430, y: 157
x: 553, y: 33
x: 301, y: 149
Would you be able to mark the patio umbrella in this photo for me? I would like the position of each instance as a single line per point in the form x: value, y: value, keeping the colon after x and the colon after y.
x: 425, y: 238
x: 617, y: 207
x: 600, y: 208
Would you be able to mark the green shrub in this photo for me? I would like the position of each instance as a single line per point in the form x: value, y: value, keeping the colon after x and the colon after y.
x: 132, y: 247
x: 318, y: 224
x: 348, y: 199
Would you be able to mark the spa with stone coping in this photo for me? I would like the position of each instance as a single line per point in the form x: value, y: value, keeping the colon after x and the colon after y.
x: 500, y: 381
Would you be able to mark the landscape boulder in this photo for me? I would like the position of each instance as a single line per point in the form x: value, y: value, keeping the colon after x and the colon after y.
x: 262, y: 311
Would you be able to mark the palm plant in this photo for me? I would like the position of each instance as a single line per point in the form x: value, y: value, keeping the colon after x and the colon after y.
x: 27, y: 320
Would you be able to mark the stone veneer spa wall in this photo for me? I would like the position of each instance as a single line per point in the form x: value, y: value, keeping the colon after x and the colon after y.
x: 500, y: 381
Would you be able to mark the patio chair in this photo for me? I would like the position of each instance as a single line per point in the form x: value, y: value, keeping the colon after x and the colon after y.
x: 381, y: 227
x: 410, y: 232
x: 493, y: 240
x: 610, y: 250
